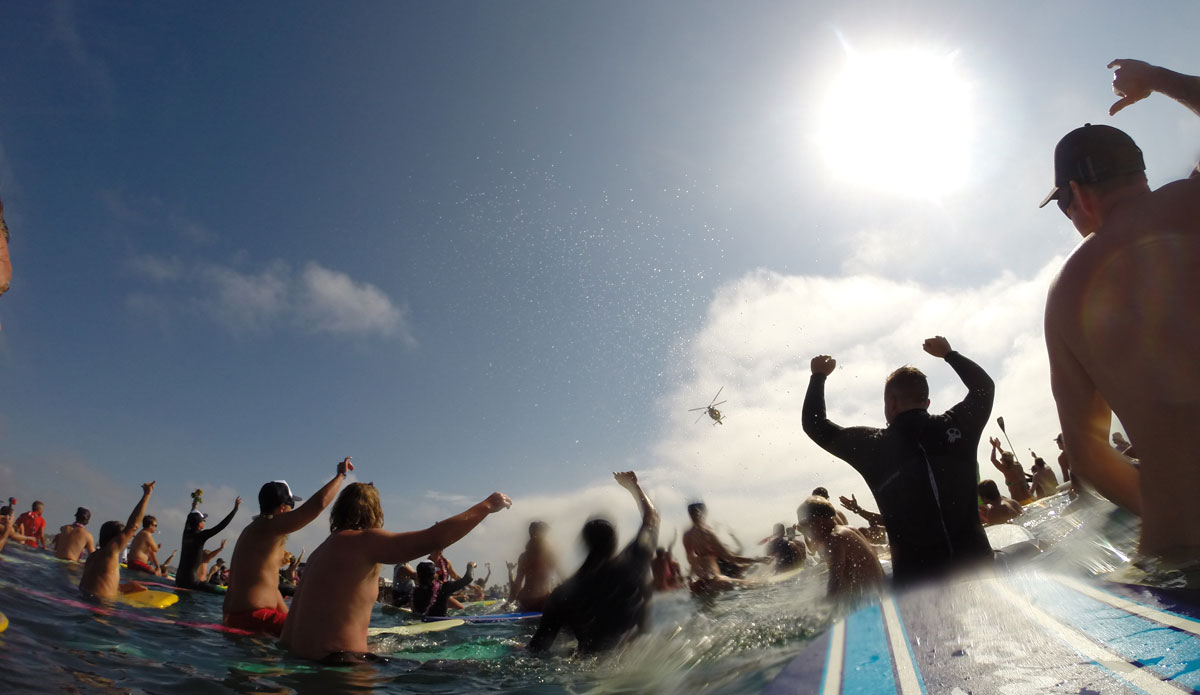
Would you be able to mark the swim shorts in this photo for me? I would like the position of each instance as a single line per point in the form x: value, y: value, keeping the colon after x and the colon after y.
x: 141, y: 567
x: 260, y: 620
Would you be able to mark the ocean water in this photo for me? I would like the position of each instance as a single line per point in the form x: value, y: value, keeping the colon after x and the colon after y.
x: 733, y: 644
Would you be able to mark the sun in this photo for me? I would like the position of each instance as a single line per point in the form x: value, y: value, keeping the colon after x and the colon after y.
x: 899, y: 121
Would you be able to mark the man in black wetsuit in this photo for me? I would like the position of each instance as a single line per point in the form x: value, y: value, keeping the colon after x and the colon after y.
x: 922, y: 468
x: 608, y: 599
x: 191, y: 550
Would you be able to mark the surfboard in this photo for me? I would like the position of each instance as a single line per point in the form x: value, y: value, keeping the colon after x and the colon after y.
x: 484, y: 650
x: 3, y: 622
x: 149, y: 598
x: 1001, y: 536
x: 1033, y: 633
x: 416, y: 628
x: 495, y: 618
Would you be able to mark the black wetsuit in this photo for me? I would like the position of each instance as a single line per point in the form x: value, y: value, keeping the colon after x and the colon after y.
x: 422, y: 594
x: 604, y: 603
x: 785, y: 554
x: 923, y: 472
x: 191, y: 548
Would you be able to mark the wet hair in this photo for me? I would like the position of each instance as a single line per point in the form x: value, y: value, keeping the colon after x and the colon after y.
x: 600, y: 538
x: 108, y: 531
x: 537, y: 543
x: 425, y: 573
x: 37, y: 506
x: 988, y: 491
x: 357, y: 508
x: 816, y: 508
x: 696, y: 510
x: 148, y: 521
x: 908, y: 384
x: 83, y: 515
x: 538, y: 528
x: 821, y: 492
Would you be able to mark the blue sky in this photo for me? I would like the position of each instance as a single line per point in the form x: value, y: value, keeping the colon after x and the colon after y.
x: 483, y: 246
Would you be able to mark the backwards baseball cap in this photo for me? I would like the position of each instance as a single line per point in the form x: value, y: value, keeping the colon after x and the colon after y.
x: 1092, y: 154
x: 276, y: 493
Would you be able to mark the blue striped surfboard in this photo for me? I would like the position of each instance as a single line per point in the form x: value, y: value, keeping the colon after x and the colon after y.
x: 1029, y: 633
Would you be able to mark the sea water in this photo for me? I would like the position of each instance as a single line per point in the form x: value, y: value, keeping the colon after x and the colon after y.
x: 733, y: 644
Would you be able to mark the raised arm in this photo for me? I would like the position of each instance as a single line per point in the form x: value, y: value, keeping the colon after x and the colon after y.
x: 981, y: 389
x: 210, y: 532
x: 391, y: 548
x: 816, y: 425
x: 135, y: 517
x: 298, y: 518
x: 647, y: 536
x: 996, y: 447
x: 850, y: 503
x: 1134, y: 80
x: 210, y: 554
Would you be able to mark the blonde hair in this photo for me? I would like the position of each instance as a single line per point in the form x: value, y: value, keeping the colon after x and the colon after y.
x: 356, y: 509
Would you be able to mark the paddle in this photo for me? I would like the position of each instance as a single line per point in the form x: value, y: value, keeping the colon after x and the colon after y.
x: 1000, y: 421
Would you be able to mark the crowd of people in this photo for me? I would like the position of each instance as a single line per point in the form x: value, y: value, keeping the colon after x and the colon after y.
x: 1109, y: 354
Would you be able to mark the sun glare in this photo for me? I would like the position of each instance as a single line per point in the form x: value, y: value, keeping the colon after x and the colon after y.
x: 899, y: 121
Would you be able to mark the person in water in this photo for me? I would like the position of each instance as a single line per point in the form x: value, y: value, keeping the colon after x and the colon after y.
x: 666, y: 571
x: 331, y: 610
x: 32, y: 525
x: 253, y: 601
x: 74, y: 538
x: 787, y: 554
x: 922, y: 468
x: 192, y: 572
x: 996, y: 509
x: 714, y: 567
x: 1122, y: 327
x: 102, y: 571
x: 1045, y: 483
x: 431, y: 597
x: 536, y: 571
x: 1014, y: 474
x: 404, y: 579
x: 853, y: 568
x: 608, y: 599
x: 143, y: 552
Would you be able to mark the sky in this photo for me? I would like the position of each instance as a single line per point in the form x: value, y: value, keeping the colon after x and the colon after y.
x: 508, y: 246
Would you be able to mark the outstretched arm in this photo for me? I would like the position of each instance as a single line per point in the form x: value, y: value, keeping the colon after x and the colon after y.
x: 135, y: 517
x: 873, y: 518
x: 996, y: 447
x: 391, y: 548
x: 210, y: 532
x: 1134, y: 80
x: 981, y: 389
x: 298, y: 518
x: 648, y: 533
x: 210, y: 554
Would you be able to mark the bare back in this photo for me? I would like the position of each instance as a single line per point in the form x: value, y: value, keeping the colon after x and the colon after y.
x: 101, y: 573
x: 331, y: 610
x: 72, y: 541
x: 254, y: 569
x: 1123, y: 329
x: 703, y: 549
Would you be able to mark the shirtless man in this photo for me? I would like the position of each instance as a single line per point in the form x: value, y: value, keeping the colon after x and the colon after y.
x: 1045, y: 483
x: 536, y: 571
x: 8, y: 527
x: 74, y: 538
x: 787, y: 553
x: 1122, y: 327
x: 711, y: 562
x: 853, y: 568
x: 143, y: 552
x: 102, y: 571
x: 996, y: 508
x: 1064, y: 464
x: 332, y: 607
x: 253, y: 601
x: 32, y: 525
x: 608, y: 599
x: 1014, y: 474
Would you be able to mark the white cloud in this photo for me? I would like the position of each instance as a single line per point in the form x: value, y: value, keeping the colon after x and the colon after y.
x: 331, y: 302
x: 155, y: 268
x: 246, y: 301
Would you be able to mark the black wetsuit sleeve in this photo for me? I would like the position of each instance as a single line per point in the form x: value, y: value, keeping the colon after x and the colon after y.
x: 549, y: 625
x: 449, y: 588
x: 210, y: 532
x: 845, y: 443
x: 975, y: 409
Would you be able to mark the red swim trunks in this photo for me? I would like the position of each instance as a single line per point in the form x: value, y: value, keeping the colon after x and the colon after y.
x: 141, y: 567
x: 259, y: 620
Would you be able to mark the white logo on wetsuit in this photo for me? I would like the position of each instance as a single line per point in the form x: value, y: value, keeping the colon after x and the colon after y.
x: 953, y: 435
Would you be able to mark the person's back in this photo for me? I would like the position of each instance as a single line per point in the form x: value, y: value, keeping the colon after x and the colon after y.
x: 101, y: 573
x: 536, y: 569
x: 32, y: 525
x: 74, y: 538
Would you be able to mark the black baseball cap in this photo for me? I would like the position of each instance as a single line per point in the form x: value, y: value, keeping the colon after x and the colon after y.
x: 274, y: 494
x: 1092, y: 154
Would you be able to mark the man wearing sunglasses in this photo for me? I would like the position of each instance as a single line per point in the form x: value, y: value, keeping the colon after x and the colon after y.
x: 1123, y: 319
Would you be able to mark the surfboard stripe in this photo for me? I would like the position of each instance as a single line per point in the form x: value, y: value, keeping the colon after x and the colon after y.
x: 1174, y: 620
x: 910, y: 679
x: 868, y: 659
x: 1132, y: 673
x: 831, y: 679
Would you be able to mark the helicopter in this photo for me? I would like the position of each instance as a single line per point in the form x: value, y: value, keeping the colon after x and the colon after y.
x: 711, y: 409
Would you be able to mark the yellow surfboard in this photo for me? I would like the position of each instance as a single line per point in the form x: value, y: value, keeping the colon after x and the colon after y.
x: 148, y: 599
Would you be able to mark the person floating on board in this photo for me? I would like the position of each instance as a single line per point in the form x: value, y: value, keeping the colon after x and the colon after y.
x: 921, y: 468
x: 332, y: 607
x: 1122, y: 325
x: 714, y: 567
x: 536, y: 572
x: 479, y: 588
x: 1045, y: 483
x: 73, y: 539
x: 102, y: 571
x: 996, y: 508
x: 143, y: 552
x: 1014, y: 474
x: 404, y: 579
x: 192, y: 572
x: 218, y: 573
x: 875, y: 531
x: 253, y: 601
x: 608, y: 599
x: 32, y: 525
x: 786, y: 552
x: 431, y: 596
x: 853, y: 568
